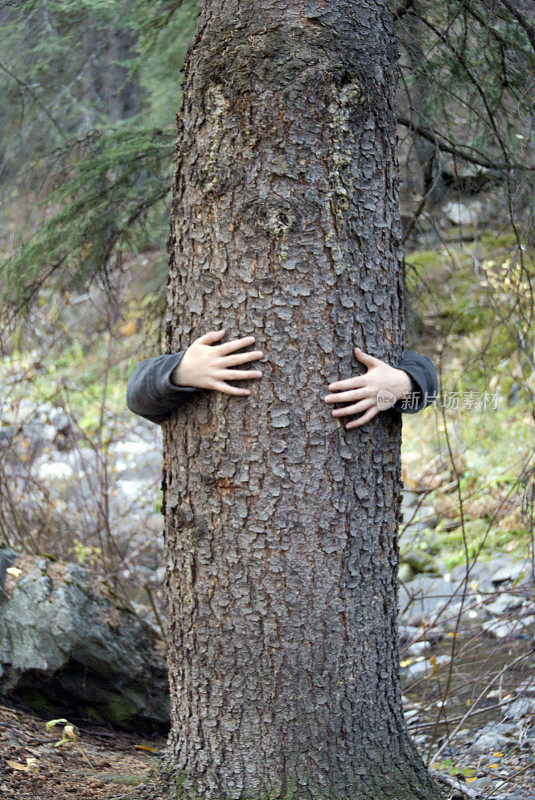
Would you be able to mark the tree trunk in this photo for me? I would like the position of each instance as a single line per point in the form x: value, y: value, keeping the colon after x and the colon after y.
x: 122, y: 92
x: 281, y: 526
x: 429, y: 156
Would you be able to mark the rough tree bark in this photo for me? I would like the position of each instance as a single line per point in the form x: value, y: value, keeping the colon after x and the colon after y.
x: 281, y: 527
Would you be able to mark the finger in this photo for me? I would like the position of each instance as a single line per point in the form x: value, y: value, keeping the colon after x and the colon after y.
x: 355, y: 408
x: 353, y: 394
x: 364, y: 418
x: 211, y: 337
x: 235, y: 344
x: 349, y: 383
x: 237, y: 374
x: 241, y: 358
x: 221, y: 386
x: 366, y: 358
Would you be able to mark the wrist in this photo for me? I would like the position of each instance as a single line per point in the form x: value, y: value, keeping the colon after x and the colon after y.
x: 403, y: 386
x: 180, y: 375
x: 176, y: 377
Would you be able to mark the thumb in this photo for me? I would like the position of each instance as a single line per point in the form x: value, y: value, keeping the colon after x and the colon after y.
x: 366, y: 358
x: 211, y: 337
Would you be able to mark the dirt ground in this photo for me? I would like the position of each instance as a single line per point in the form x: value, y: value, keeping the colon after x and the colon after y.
x: 101, y: 765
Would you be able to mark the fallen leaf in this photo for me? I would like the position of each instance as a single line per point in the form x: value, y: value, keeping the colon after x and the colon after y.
x: 31, y: 765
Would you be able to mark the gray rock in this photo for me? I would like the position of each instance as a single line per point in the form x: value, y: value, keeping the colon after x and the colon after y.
x: 409, y: 499
x: 7, y: 558
x: 418, y: 560
x: 7, y: 434
x: 54, y: 470
x: 526, y: 687
x: 489, y: 741
x: 418, y: 648
x: 504, y: 603
x: 67, y: 643
x: 513, y: 571
x: 137, y: 459
x: 423, y: 595
x: 520, y: 794
x: 471, y: 616
x: 133, y: 490
x: 502, y: 629
x: 463, y: 213
x: 481, y: 783
x: 523, y: 707
x: 405, y: 573
x: 481, y: 572
x: 421, y: 669
x: 407, y: 633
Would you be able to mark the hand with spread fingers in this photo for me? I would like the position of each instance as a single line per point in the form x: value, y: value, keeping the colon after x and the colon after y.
x: 207, y: 365
x: 366, y: 393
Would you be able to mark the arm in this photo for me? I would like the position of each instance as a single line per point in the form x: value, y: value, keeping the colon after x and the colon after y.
x: 151, y: 392
x: 162, y: 384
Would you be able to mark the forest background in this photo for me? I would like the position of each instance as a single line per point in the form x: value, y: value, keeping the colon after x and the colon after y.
x: 89, y: 94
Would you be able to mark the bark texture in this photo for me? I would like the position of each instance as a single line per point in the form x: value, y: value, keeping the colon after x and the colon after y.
x: 281, y: 527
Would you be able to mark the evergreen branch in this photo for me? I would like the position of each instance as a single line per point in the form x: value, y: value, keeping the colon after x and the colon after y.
x: 34, y: 97
x: 103, y: 203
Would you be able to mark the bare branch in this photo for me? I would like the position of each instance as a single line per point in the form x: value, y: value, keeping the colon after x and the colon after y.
x: 33, y: 96
x: 433, y: 136
x: 512, y: 7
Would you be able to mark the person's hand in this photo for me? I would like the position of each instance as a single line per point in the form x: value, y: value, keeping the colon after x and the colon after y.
x: 207, y: 365
x: 364, y: 392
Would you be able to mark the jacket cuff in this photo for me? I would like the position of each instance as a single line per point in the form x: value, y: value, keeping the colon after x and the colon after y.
x: 422, y: 372
x: 150, y: 392
x: 162, y: 377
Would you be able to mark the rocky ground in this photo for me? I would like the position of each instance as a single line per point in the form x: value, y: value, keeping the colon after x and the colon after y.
x: 467, y: 669
x: 102, y: 764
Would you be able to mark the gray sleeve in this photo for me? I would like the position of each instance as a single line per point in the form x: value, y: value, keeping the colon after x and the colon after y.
x: 150, y: 392
x: 423, y: 373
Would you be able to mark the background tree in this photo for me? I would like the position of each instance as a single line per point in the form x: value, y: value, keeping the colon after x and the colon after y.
x: 93, y: 153
x: 281, y: 527
x: 87, y: 138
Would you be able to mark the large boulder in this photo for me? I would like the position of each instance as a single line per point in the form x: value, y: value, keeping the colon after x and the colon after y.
x: 68, y: 646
